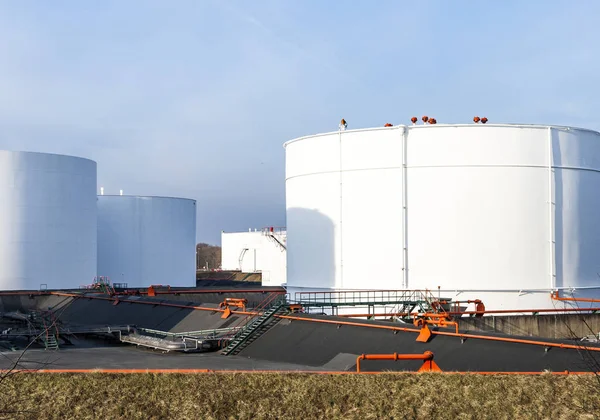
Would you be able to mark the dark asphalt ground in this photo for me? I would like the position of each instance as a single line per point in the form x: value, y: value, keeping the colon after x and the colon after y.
x: 130, y: 357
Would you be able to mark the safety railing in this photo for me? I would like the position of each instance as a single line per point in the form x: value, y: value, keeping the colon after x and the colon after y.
x: 401, y: 301
x: 161, y: 340
x: 347, y: 297
x: 212, y: 333
x: 102, y: 284
x: 274, y: 230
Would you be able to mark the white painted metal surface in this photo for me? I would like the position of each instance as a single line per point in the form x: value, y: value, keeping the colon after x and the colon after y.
x: 147, y: 240
x: 504, y: 213
x: 256, y: 251
x: 47, y: 221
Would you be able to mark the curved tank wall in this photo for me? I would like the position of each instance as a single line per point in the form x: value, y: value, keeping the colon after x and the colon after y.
x: 47, y: 221
x: 147, y: 240
x: 504, y: 213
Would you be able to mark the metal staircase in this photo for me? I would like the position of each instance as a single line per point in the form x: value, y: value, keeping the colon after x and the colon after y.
x: 277, y: 241
x: 50, y: 342
x: 273, y: 234
x: 256, y: 326
x: 103, y: 284
x: 49, y: 324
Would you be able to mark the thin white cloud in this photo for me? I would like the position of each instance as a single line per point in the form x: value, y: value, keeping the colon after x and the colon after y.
x: 325, y: 62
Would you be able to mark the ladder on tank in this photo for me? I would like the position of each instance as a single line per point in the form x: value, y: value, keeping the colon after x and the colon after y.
x: 270, y: 233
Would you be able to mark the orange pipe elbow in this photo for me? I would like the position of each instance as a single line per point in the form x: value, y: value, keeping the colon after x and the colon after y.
x: 427, y: 357
x: 555, y: 296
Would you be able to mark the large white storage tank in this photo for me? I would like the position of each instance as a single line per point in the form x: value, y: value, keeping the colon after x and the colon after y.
x: 47, y: 221
x: 503, y: 213
x: 147, y: 240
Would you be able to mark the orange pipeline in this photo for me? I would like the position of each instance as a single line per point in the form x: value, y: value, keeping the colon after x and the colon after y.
x: 374, y: 315
x: 482, y: 337
x: 200, y: 291
x: 25, y: 293
x: 486, y: 312
x: 187, y: 371
x: 428, y: 364
x: 275, y: 372
x: 158, y: 292
x: 171, y: 305
x: 511, y: 311
x: 555, y: 296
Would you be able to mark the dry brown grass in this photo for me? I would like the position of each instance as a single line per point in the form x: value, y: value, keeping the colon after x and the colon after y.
x: 256, y: 396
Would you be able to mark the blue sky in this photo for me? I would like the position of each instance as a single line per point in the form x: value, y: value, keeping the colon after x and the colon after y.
x: 196, y: 98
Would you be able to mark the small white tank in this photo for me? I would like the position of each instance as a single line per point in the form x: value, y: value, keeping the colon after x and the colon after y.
x: 147, y: 240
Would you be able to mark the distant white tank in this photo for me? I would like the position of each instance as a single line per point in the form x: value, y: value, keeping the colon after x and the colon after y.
x: 503, y: 213
x: 47, y: 221
x: 147, y: 240
x: 262, y: 251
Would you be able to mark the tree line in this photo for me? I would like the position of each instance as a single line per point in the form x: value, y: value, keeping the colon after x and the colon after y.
x: 208, y: 256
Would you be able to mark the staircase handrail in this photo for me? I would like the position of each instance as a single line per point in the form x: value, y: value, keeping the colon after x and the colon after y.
x: 245, y: 333
x: 434, y: 303
x: 277, y: 241
x: 258, y: 311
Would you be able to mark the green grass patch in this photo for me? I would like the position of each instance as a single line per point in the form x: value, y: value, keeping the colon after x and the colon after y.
x: 301, y: 396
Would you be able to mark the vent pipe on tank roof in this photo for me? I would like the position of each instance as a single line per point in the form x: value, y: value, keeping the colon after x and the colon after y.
x: 120, y: 192
x: 101, y: 190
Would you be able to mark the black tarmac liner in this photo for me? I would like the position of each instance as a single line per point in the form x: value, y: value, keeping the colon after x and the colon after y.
x: 87, y: 311
x: 317, y: 345
x: 254, y: 299
x: 336, y: 348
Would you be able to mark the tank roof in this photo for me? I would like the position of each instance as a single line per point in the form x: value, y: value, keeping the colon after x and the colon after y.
x: 25, y: 152
x: 434, y: 126
x: 146, y: 196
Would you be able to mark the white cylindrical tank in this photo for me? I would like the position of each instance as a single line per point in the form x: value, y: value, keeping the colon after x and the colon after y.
x: 147, y: 240
x: 503, y: 213
x: 47, y: 221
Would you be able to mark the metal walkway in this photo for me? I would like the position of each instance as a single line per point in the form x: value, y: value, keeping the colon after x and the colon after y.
x: 396, y: 301
x: 167, y: 341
